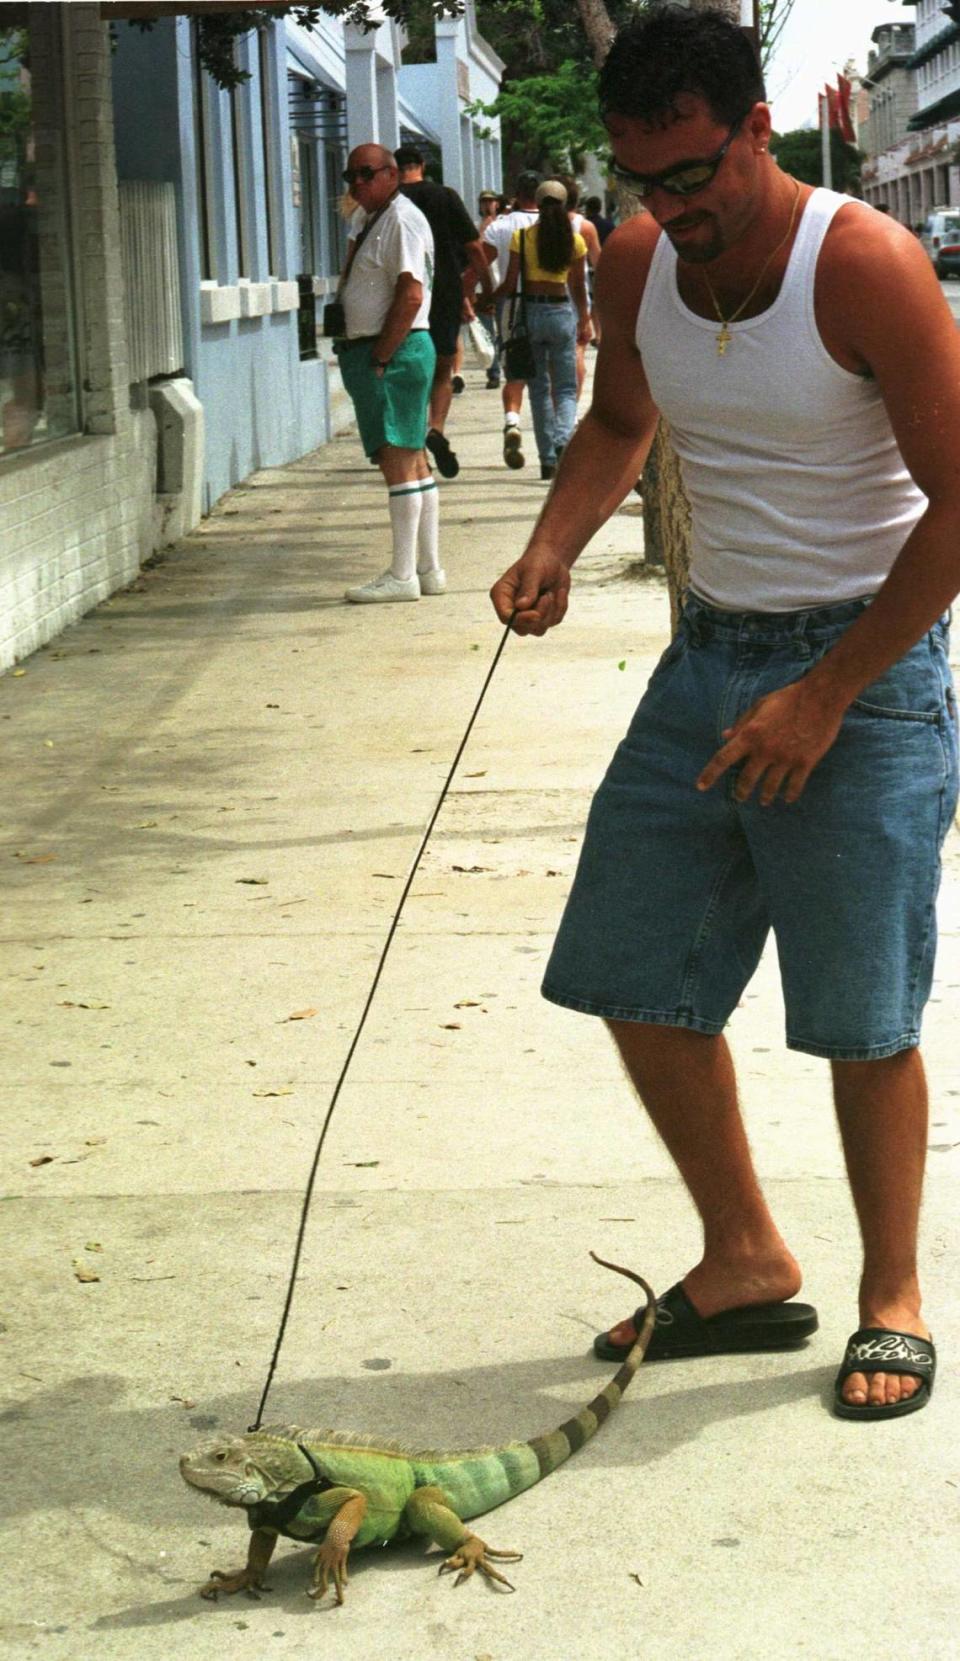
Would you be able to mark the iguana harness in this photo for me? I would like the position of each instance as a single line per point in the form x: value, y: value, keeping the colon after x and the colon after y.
x: 342, y: 1490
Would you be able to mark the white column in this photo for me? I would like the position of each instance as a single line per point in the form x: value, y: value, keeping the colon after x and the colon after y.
x: 449, y: 107
x: 363, y: 124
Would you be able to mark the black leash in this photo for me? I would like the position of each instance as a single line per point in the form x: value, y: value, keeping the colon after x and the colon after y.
x: 308, y: 1192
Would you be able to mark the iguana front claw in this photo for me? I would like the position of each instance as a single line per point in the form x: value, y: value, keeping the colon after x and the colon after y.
x: 331, y: 1559
x: 241, y: 1580
x: 474, y: 1554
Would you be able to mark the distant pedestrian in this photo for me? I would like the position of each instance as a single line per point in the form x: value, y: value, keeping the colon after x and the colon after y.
x: 387, y: 360
x: 581, y: 223
x: 491, y: 205
x: 496, y: 237
x: 456, y: 240
x: 552, y: 254
x: 593, y: 208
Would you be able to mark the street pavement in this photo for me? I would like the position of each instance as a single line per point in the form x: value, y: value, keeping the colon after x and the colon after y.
x: 204, y: 845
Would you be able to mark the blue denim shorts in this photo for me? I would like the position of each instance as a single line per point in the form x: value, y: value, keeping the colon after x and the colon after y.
x: 676, y: 889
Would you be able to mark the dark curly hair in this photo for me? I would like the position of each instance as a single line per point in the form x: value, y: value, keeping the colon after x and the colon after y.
x: 668, y: 51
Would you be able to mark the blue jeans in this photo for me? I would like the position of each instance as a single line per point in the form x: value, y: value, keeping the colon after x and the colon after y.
x: 677, y: 889
x: 553, y: 332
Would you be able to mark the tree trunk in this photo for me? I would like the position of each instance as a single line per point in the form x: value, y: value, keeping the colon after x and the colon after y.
x: 666, y: 511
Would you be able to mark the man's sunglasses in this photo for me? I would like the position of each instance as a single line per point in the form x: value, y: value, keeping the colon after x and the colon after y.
x: 351, y: 175
x: 685, y: 179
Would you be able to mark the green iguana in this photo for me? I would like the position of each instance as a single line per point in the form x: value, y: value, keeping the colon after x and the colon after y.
x: 344, y: 1490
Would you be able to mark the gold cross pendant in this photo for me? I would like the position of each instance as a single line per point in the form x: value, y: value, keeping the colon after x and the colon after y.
x: 723, y: 340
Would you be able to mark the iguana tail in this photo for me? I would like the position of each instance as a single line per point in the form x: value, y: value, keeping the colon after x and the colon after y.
x: 557, y: 1445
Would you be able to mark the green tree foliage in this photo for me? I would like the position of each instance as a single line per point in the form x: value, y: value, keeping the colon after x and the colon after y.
x: 218, y: 32
x: 551, y: 120
x: 800, y: 153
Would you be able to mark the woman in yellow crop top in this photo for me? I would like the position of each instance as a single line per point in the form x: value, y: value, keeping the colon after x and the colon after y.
x: 554, y: 258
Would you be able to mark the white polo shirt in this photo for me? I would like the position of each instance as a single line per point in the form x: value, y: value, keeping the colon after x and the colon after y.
x: 501, y: 229
x: 401, y: 241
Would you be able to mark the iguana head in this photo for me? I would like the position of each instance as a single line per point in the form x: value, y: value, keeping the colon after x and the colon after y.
x: 246, y: 1470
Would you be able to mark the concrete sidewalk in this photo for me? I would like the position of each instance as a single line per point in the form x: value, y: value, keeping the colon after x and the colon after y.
x: 205, y: 842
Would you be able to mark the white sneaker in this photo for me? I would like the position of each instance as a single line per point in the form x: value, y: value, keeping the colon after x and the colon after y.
x: 387, y: 587
x: 513, y: 447
x: 433, y: 582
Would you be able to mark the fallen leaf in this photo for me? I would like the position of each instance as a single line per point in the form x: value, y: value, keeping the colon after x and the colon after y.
x: 254, y: 882
x: 273, y: 1092
x: 451, y: 1026
x: 17, y: 673
x: 48, y: 743
x: 472, y: 870
x: 390, y: 875
x: 145, y: 824
x: 94, y: 1141
x: 298, y: 1015
x: 36, y: 859
x: 362, y: 1164
x: 636, y: 1577
x: 622, y: 664
x: 467, y: 1003
x: 83, y: 1272
x: 476, y: 775
x: 93, y: 1246
x: 44, y: 1159
x: 66, y: 1003
x: 185, y: 1401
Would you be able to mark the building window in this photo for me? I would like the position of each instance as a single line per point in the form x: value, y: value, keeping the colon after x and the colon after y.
x: 333, y: 158
x: 306, y: 163
x: 38, y: 380
x: 318, y: 125
x: 239, y: 174
x: 275, y: 266
x: 201, y: 117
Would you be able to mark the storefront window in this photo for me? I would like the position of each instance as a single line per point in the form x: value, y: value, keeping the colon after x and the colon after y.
x: 37, y: 379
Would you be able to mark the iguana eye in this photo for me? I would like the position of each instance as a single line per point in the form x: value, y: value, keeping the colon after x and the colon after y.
x: 219, y: 1457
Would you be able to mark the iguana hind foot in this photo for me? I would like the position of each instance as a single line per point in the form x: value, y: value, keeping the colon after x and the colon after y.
x: 473, y: 1554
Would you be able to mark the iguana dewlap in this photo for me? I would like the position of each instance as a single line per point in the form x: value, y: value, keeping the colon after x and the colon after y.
x: 341, y: 1490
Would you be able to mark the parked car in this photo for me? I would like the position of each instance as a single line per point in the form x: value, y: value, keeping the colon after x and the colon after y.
x: 941, y: 238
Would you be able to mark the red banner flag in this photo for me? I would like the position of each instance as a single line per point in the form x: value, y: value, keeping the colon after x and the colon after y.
x: 845, y: 94
x: 833, y: 105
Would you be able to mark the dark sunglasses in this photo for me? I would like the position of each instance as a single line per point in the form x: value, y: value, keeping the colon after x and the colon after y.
x: 683, y: 180
x: 364, y: 174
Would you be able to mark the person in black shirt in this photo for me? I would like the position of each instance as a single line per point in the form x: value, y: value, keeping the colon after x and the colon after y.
x: 601, y: 224
x: 456, y: 243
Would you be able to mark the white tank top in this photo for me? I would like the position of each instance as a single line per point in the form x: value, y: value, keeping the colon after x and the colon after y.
x: 799, y: 493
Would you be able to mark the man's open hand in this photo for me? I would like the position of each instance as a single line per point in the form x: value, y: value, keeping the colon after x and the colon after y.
x: 533, y: 592
x: 776, y: 744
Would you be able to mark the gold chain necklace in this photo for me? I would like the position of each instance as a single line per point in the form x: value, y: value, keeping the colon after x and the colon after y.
x: 724, y: 337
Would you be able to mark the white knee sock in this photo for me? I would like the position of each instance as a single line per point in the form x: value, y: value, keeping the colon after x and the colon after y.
x: 405, y: 502
x: 428, y: 537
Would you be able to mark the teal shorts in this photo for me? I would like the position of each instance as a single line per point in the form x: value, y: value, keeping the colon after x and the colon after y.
x: 390, y: 408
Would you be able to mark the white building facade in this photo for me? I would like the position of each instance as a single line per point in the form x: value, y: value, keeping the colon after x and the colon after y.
x: 166, y: 247
x: 913, y: 170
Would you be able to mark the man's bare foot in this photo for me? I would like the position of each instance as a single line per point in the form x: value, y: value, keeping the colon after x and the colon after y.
x: 886, y: 1389
x: 713, y: 1287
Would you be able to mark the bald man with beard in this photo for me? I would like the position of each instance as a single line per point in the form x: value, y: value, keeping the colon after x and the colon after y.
x: 387, y: 361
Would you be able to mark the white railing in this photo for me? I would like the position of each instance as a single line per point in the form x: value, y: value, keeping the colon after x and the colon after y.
x: 151, y: 270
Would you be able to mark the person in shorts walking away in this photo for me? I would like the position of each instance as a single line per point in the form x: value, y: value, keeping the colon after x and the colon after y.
x: 491, y: 206
x: 456, y: 243
x: 387, y: 360
x: 496, y: 237
x: 553, y: 255
x: 793, y: 763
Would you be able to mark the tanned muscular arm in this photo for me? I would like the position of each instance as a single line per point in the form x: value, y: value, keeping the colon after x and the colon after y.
x: 604, y: 458
x: 880, y: 311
